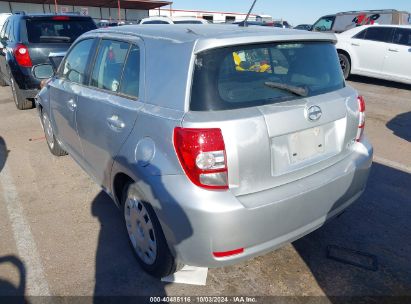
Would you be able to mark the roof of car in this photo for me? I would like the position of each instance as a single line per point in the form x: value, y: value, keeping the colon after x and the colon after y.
x: 42, y: 15
x: 213, y: 36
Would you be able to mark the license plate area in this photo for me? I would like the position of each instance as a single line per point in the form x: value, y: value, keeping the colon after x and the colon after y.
x: 297, y: 150
x: 306, y: 144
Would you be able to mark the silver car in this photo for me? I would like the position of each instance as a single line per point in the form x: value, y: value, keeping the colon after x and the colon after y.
x: 220, y: 143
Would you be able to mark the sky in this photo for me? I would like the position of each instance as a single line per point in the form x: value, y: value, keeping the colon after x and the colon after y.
x: 294, y: 11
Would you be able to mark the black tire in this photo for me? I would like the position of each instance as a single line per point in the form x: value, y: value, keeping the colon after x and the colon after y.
x: 345, y: 64
x: 164, y: 263
x: 53, y: 144
x: 21, y: 102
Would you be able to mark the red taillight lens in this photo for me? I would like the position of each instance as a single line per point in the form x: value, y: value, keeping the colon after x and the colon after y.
x: 361, y: 119
x: 21, y: 53
x: 60, y: 18
x: 201, y: 153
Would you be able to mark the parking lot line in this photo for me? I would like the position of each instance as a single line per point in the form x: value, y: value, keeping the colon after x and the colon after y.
x: 392, y: 164
x: 26, y: 246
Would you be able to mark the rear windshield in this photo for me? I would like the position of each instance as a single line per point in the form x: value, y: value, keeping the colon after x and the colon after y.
x: 57, y: 31
x: 247, y: 76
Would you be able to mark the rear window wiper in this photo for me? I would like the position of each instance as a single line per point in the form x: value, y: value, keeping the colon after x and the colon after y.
x: 55, y: 38
x: 286, y: 87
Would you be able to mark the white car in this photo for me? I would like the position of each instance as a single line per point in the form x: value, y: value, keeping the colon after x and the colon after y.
x: 174, y: 20
x: 380, y: 51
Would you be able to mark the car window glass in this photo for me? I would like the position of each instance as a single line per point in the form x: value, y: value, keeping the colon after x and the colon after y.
x: 74, y: 67
x: 361, y: 35
x: 3, y: 30
x: 402, y: 36
x: 6, y: 32
x: 57, y: 31
x: 324, y: 24
x: 247, y: 76
x: 382, y: 34
x: 156, y: 22
x: 109, y: 64
x: 131, y: 76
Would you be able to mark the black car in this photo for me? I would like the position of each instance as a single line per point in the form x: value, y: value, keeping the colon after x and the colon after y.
x: 26, y: 41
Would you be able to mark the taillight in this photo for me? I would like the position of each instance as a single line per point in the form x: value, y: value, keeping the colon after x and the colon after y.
x: 60, y: 18
x: 361, y: 115
x: 201, y: 153
x: 21, y: 53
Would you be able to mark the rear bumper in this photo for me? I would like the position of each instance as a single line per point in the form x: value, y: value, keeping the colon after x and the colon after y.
x: 27, y: 83
x: 197, y: 222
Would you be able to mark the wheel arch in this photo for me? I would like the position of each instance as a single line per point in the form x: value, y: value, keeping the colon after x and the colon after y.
x: 119, y: 182
x: 341, y: 51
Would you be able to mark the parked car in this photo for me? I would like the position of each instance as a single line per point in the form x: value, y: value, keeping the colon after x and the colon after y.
x: 173, y: 20
x: 27, y: 40
x: 281, y: 24
x: 106, y: 23
x: 304, y: 27
x: 221, y: 164
x: 341, y: 22
x: 380, y: 51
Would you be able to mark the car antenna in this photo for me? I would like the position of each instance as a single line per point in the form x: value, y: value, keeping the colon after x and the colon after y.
x: 244, y: 23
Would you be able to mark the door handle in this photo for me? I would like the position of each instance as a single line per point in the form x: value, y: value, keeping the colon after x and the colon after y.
x: 71, y: 105
x: 394, y: 50
x: 355, y: 44
x: 115, y: 123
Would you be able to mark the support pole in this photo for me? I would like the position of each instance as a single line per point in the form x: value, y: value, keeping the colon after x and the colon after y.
x: 56, y: 9
x: 119, y: 14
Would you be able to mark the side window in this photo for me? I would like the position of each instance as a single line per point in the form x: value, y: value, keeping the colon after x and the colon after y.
x: 108, y: 66
x: 130, y: 82
x: 383, y: 34
x: 361, y: 35
x: 402, y: 36
x: 6, y: 29
x: 3, y: 30
x: 75, y: 65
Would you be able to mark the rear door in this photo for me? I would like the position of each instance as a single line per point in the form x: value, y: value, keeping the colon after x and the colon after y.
x: 64, y: 90
x: 369, y: 49
x: 108, y: 107
x: 282, y: 117
x: 397, y: 63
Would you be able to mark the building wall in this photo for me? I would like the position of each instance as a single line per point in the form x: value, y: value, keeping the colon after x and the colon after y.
x: 217, y: 17
x: 94, y: 12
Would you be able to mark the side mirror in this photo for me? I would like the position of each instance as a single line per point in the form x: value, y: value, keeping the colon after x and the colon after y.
x: 43, y: 71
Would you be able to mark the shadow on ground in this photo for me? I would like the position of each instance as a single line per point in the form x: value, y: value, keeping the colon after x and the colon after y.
x: 379, y: 82
x: 379, y: 224
x: 400, y: 125
x: 3, y: 153
x: 8, y: 291
x: 117, y: 270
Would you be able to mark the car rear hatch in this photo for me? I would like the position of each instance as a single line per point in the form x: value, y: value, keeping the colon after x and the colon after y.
x: 52, y: 34
x: 283, y: 109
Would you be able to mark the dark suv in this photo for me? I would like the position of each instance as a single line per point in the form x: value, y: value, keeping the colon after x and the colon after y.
x: 27, y: 40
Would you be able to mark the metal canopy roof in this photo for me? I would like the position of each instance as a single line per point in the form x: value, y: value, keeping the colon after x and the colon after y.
x: 128, y: 4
